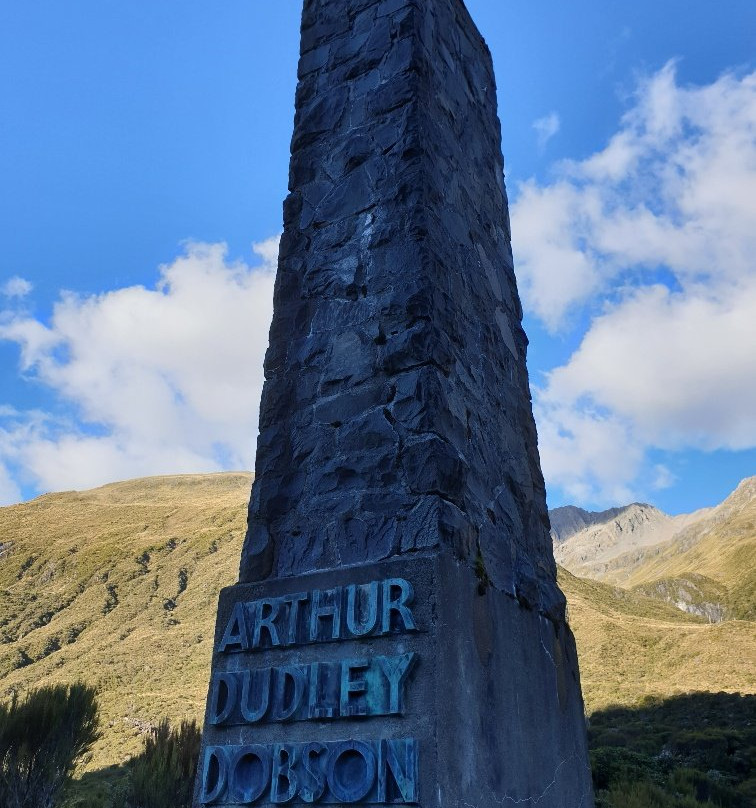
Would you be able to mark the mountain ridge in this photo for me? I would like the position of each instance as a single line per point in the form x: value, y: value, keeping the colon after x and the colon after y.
x: 703, y: 562
x: 570, y: 519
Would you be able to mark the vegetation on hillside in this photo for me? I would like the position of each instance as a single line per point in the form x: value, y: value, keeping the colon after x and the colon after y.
x: 118, y: 587
x: 42, y: 737
x: 692, y: 751
x: 692, y: 593
x: 163, y: 774
x: 631, y: 647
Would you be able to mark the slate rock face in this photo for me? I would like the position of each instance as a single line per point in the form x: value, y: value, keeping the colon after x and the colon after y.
x: 396, y: 412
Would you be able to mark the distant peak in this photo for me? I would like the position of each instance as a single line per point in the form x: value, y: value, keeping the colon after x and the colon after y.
x: 746, y: 486
x: 568, y: 520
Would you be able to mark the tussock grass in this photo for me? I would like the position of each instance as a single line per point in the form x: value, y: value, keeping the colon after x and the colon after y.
x: 631, y: 647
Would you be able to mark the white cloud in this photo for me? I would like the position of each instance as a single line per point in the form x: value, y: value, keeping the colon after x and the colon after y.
x: 680, y: 367
x: 546, y: 128
x: 653, y: 240
x: 268, y: 251
x: 591, y: 456
x: 674, y: 187
x: 662, y: 478
x: 16, y: 287
x: 162, y: 380
x: 10, y: 493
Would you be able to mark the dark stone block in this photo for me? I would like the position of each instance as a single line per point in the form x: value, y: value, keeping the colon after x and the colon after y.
x: 391, y: 95
x: 322, y: 114
x: 432, y: 466
x: 342, y: 408
x: 420, y: 344
x: 351, y: 196
x: 315, y: 59
x: 368, y: 434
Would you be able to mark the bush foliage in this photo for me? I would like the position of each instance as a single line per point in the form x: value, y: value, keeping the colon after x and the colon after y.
x: 693, y: 751
x: 41, y: 739
x: 163, y: 775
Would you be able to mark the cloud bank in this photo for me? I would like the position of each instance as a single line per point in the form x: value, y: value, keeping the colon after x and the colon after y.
x: 151, y: 381
x: 642, y: 254
x: 653, y: 241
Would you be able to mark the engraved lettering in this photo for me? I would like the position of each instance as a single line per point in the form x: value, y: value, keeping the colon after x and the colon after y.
x: 283, y: 772
x: 320, y: 690
x: 255, y: 697
x: 381, y: 771
x: 313, y: 777
x: 351, y: 687
x: 398, y: 602
x: 325, y: 605
x: 354, y: 611
x: 265, y: 616
x: 294, y: 602
x: 236, y: 631
x: 223, y: 694
x: 369, y: 612
x: 214, y: 774
x: 401, y: 759
x: 396, y: 670
x: 250, y: 774
x: 316, y: 695
x: 351, y: 771
x: 289, y: 687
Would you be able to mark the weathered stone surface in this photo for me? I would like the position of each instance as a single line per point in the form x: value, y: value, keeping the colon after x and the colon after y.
x: 397, y: 453
x: 486, y: 695
x: 396, y: 385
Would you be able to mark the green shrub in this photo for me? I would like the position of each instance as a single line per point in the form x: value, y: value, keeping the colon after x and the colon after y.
x: 637, y: 795
x: 41, y: 739
x: 706, y: 788
x: 611, y: 765
x: 691, y: 751
x: 163, y: 775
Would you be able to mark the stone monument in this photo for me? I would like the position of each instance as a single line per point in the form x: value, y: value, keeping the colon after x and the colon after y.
x: 397, y: 636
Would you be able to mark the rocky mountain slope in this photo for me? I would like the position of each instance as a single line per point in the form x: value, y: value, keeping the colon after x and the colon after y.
x: 704, y: 562
x: 569, y: 520
x: 118, y: 587
x: 589, y: 543
x: 717, y: 552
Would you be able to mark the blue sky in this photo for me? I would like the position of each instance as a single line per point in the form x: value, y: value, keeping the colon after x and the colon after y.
x: 136, y: 139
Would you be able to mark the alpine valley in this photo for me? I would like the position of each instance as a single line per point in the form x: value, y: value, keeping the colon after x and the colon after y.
x: 118, y: 587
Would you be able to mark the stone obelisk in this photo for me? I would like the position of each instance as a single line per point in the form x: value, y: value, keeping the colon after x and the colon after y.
x: 397, y: 635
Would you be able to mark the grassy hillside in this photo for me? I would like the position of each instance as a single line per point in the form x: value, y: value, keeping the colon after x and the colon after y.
x: 631, y: 647
x: 118, y: 587
x: 721, y: 548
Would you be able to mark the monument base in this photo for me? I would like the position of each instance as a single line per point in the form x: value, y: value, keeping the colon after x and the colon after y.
x: 406, y: 682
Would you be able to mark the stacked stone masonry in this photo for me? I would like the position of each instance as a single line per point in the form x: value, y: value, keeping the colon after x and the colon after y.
x: 396, y: 410
x: 397, y: 636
